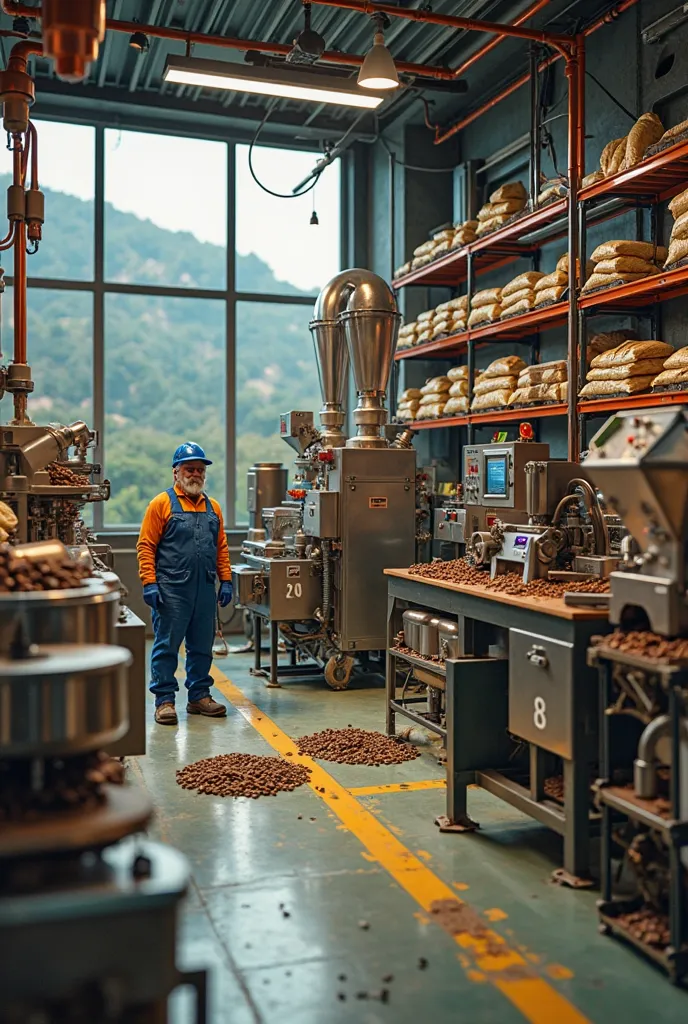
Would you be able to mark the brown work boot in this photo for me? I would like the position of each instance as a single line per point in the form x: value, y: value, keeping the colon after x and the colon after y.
x: 165, y: 714
x: 206, y: 706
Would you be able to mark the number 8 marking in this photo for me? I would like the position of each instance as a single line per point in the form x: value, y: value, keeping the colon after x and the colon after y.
x: 539, y: 713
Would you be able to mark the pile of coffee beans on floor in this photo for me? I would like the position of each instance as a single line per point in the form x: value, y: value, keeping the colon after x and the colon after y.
x: 242, y: 775
x: 356, y: 746
x: 63, y: 476
x: 20, y: 575
x: 68, y: 784
x: 459, y: 571
x: 649, y: 645
x: 554, y: 787
x: 648, y: 926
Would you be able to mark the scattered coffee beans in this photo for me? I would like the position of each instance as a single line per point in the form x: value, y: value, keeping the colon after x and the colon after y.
x: 65, y: 784
x: 649, y: 645
x: 648, y: 926
x: 356, y: 746
x: 19, y: 575
x: 62, y: 476
x: 242, y: 775
x: 459, y: 571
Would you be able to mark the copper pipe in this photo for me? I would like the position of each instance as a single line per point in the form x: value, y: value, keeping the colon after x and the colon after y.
x: 8, y: 241
x: 19, y: 259
x: 479, y: 54
x: 20, y: 53
x: 609, y: 18
x: 231, y: 43
x: 573, y: 71
x: 561, y: 43
x: 33, y: 134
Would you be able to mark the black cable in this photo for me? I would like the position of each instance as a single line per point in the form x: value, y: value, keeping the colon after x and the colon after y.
x: 611, y: 96
x: 412, y: 167
x: 278, y: 195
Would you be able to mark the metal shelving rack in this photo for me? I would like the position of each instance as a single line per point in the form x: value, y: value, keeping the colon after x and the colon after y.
x: 618, y: 803
x: 656, y: 179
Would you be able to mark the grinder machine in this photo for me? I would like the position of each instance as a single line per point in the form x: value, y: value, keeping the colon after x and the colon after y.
x: 315, y: 569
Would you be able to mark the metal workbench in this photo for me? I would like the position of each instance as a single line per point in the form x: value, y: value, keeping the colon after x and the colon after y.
x: 543, y: 694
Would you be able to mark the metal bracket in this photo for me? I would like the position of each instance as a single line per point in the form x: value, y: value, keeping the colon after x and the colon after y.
x: 465, y: 825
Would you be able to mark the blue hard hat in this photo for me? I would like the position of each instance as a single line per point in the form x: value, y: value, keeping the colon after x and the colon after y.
x: 189, y: 452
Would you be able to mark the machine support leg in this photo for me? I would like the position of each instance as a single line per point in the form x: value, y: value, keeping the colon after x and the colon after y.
x: 391, y: 670
x: 274, y: 651
x: 256, y: 642
x: 538, y: 758
x: 458, y: 781
x: 576, y: 870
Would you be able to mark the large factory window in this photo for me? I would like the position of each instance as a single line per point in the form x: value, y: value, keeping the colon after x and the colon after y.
x: 164, y: 384
x: 275, y: 372
x: 67, y: 176
x: 165, y: 210
x: 279, y: 250
x: 60, y: 331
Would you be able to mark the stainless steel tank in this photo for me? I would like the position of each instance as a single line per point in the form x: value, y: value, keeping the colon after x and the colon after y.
x: 267, y: 487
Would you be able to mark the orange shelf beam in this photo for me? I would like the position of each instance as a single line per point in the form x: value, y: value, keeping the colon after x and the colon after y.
x: 546, y: 317
x: 495, y: 250
x: 662, y: 175
x: 659, y: 288
x: 592, y: 407
x: 492, y: 416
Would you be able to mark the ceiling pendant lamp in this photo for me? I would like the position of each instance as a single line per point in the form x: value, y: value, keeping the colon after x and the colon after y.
x: 378, y: 70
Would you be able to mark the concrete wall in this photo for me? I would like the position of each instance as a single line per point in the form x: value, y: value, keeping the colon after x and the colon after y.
x: 633, y: 73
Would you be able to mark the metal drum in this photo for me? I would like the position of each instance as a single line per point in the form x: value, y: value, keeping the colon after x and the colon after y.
x: 267, y: 486
x: 82, y: 615
x: 413, y: 621
x: 429, y: 640
x: 63, y: 699
x: 448, y: 638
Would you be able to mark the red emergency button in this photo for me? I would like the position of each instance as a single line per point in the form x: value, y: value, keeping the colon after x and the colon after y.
x: 326, y: 456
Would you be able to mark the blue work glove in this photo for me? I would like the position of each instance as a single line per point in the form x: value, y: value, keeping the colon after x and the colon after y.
x: 225, y: 594
x: 151, y: 595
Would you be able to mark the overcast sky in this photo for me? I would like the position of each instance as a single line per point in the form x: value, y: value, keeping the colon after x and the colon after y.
x: 180, y: 184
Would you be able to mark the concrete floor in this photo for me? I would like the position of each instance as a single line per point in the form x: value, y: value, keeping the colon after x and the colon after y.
x: 332, y: 860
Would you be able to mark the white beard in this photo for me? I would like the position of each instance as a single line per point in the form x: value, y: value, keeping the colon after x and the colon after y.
x: 191, y: 487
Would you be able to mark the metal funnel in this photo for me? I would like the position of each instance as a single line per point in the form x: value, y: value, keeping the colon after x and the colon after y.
x: 371, y: 337
x: 640, y: 463
x: 333, y: 372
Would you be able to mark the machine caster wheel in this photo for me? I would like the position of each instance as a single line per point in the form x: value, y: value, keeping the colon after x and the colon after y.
x: 338, y: 672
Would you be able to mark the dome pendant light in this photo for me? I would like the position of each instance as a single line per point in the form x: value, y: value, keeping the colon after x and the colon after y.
x: 378, y: 70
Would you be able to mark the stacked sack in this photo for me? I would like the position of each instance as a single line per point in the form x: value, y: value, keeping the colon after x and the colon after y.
x: 458, y: 400
x: 670, y: 138
x: 674, y: 375
x: 407, y: 335
x: 453, y: 314
x: 611, y: 339
x: 678, y: 243
x: 627, y: 369
x: 504, y: 203
x: 494, y: 387
x: 552, y: 287
x: 551, y: 189
x: 620, y: 261
x: 622, y: 154
x: 408, y: 405
x: 434, y: 396
x: 464, y: 234
x: 518, y: 296
x: 485, y: 306
x: 544, y: 382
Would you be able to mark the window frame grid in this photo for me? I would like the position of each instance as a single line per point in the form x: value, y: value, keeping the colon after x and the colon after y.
x: 99, y: 288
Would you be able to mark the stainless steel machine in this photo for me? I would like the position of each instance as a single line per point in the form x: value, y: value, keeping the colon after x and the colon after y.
x: 317, y: 572
x: 78, y: 894
x: 640, y: 462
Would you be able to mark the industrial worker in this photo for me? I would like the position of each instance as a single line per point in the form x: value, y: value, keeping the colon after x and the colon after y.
x: 182, y: 549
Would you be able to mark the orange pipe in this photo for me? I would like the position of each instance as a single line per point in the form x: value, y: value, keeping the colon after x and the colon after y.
x: 19, y: 261
x: 607, y: 19
x: 561, y: 43
x: 20, y: 53
x: 479, y: 54
x: 33, y: 135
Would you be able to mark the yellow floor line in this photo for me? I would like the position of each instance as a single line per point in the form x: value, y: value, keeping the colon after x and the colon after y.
x: 488, y: 954
x: 398, y: 787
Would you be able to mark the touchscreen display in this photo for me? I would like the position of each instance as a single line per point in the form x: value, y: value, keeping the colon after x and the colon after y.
x: 496, y: 475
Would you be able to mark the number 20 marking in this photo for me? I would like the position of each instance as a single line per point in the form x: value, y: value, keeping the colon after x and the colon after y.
x: 539, y: 713
x: 294, y: 590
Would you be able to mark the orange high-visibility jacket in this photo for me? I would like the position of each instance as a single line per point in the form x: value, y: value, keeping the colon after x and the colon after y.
x: 153, y: 527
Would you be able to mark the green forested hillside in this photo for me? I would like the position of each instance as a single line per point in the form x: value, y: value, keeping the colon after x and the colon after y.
x: 165, y: 376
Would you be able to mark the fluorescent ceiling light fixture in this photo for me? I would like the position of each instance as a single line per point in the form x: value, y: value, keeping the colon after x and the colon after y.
x: 378, y: 70
x: 267, y: 81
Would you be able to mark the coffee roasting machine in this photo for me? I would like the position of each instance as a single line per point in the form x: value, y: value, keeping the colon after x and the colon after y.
x: 314, y: 570
x: 524, y: 512
x: 640, y: 461
x: 79, y: 896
